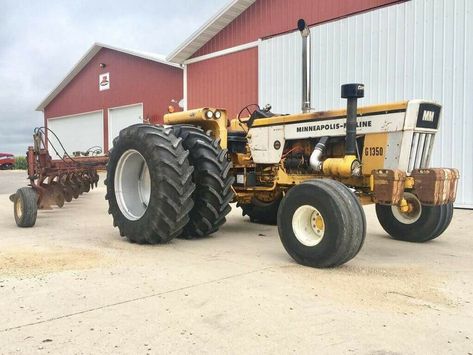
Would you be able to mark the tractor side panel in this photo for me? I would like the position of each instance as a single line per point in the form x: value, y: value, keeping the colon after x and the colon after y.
x: 266, y: 144
x: 390, y: 122
x: 374, y: 152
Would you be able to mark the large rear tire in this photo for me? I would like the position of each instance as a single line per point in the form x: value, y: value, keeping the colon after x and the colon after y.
x: 149, y: 184
x: 262, y: 212
x: 421, y: 224
x: 321, y: 223
x: 25, y: 207
x: 213, y: 192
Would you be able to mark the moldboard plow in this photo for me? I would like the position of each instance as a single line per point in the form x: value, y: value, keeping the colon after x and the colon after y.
x: 53, y: 181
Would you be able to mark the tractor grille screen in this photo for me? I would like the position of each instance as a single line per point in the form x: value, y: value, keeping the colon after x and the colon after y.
x: 421, y: 150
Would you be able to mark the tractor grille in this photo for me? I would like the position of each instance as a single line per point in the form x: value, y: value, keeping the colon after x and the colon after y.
x: 421, y: 150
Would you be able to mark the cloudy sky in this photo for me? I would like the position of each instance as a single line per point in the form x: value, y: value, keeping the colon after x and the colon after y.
x: 41, y: 40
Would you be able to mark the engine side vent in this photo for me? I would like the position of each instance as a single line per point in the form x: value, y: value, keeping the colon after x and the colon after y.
x: 421, y: 150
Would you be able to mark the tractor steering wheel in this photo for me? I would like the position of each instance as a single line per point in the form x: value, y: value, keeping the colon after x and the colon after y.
x: 247, y: 108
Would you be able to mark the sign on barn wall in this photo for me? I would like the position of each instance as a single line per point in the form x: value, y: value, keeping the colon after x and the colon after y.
x: 104, y: 81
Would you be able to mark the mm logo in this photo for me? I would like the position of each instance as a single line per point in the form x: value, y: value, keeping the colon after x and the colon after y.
x: 428, y: 116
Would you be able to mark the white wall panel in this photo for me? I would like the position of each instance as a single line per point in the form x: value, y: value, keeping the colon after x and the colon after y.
x: 417, y: 49
x: 77, y: 132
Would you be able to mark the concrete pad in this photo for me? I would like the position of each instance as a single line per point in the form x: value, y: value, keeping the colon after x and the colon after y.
x: 71, y: 285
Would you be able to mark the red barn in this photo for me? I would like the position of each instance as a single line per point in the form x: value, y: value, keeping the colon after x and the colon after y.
x: 220, y: 60
x: 110, y: 88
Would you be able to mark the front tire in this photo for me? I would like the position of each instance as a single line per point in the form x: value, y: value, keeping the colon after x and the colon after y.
x: 321, y: 223
x: 149, y: 184
x: 421, y: 224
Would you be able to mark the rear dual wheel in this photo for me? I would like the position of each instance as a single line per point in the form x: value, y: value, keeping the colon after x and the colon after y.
x: 321, y: 223
x: 419, y: 224
x: 149, y: 184
x: 167, y: 182
x: 213, y: 181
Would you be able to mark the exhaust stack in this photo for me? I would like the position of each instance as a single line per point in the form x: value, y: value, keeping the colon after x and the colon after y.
x: 306, y: 65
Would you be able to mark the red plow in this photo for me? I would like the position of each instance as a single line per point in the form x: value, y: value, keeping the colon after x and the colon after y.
x: 53, y: 181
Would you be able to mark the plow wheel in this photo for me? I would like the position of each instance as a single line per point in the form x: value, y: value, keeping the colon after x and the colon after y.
x: 213, y: 192
x: 321, y: 223
x: 149, y: 184
x: 420, y: 224
x: 25, y: 207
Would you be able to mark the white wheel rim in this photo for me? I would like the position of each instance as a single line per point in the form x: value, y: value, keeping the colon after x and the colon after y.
x: 19, y: 207
x: 415, y: 210
x: 308, y: 225
x: 132, y: 185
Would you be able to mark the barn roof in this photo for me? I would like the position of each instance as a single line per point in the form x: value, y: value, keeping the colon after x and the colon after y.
x: 208, y: 30
x: 86, y: 59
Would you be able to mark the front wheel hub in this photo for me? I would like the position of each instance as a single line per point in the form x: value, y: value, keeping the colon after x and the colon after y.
x: 410, y: 214
x: 308, y: 225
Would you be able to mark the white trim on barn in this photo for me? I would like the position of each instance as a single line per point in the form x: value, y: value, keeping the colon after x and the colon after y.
x: 208, y: 30
x: 184, y: 87
x: 225, y: 51
x: 74, y: 114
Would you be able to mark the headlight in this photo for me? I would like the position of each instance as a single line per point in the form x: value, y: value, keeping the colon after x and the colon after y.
x: 209, y: 114
x: 217, y: 114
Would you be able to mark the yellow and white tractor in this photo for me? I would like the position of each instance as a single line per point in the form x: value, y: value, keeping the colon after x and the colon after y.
x: 309, y: 173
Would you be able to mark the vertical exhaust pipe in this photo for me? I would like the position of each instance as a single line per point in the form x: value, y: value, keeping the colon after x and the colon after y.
x: 306, y: 65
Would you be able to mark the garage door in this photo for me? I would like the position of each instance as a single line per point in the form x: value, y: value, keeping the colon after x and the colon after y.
x: 121, y: 117
x: 77, y: 132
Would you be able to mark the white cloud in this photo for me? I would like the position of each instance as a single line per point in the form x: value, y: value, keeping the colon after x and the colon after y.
x: 40, y: 41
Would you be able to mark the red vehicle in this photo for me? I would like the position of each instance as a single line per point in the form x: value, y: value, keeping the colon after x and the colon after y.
x: 7, y: 161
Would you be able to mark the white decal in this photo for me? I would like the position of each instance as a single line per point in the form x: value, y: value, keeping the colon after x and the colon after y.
x: 104, y: 81
x: 428, y: 116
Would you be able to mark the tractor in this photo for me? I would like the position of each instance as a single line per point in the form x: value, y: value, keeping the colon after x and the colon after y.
x: 309, y: 173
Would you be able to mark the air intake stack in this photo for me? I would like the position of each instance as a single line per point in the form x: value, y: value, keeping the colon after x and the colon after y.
x: 352, y: 92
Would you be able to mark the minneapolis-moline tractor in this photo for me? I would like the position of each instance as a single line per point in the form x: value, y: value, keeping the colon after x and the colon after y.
x: 309, y: 173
